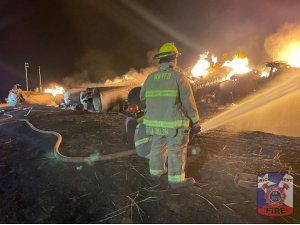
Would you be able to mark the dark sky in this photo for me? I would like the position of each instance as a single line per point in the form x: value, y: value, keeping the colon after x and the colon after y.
x: 106, y: 38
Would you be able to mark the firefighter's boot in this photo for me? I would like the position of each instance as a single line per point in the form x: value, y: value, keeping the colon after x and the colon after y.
x: 188, y: 182
x: 157, y: 177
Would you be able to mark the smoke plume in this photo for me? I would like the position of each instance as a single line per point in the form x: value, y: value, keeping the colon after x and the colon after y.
x: 96, y: 70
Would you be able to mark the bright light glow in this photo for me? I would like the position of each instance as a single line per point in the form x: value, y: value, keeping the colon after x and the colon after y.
x: 55, y: 91
x: 128, y: 77
x: 265, y: 72
x: 214, y: 58
x: 290, y: 53
x: 202, y: 66
x: 238, y: 66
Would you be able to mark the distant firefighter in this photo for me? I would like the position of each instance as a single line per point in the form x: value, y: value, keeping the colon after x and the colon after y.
x: 15, y: 97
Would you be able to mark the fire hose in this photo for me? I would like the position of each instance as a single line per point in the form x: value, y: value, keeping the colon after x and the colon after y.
x: 239, y: 178
x: 59, y: 140
x: 8, y: 115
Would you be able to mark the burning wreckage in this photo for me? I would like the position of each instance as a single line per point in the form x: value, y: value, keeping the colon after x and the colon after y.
x: 221, y: 82
x: 96, y: 99
x: 213, y: 82
x: 228, y: 82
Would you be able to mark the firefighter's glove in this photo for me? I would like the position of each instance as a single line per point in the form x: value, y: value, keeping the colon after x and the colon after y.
x: 195, y: 128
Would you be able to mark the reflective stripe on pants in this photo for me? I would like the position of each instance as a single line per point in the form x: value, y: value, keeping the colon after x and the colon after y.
x: 176, y: 148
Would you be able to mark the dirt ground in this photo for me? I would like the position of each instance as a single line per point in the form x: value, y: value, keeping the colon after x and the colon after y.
x: 36, y: 187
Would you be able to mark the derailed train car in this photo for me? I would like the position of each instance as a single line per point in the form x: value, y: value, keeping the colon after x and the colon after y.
x: 108, y: 98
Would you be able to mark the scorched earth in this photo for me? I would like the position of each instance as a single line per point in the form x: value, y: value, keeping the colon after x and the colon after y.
x: 36, y: 187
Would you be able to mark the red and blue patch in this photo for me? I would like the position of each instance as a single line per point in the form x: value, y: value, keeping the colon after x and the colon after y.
x: 275, y: 194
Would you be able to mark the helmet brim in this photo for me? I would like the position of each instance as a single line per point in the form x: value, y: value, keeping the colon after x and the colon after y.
x: 166, y: 55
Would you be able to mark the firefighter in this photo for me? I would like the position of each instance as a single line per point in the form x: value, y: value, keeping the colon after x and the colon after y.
x: 170, y: 107
x: 14, y: 97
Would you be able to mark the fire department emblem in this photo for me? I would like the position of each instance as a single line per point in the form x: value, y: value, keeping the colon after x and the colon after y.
x: 275, y: 194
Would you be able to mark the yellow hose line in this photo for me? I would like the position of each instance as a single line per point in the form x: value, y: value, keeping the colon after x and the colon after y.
x: 75, y: 159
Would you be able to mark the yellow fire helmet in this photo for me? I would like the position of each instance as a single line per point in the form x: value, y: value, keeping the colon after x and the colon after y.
x: 166, y: 50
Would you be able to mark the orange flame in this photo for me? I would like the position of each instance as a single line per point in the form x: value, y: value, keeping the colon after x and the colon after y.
x: 291, y: 53
x: 239, y: 65
x: 202, y: 66
x: 55, y: 91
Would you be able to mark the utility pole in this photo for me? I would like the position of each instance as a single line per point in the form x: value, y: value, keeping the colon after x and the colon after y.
x: 40, y: 79
x: 26, y: 67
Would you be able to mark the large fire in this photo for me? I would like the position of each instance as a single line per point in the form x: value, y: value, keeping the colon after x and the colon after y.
x: 239, y: 65
x: 202, y: 66
x: 290, y: 53
x: 55, y: 91
x: 284, y: 45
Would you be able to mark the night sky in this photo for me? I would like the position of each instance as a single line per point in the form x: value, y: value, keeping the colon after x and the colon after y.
x: 105, y: 38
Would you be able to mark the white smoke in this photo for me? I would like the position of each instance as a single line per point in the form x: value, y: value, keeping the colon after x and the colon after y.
x: 132, y: 78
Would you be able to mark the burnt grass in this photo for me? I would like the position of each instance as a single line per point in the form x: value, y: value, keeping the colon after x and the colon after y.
x: 36, y: 187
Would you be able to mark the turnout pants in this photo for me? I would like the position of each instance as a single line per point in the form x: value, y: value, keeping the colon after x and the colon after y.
x: 172, y: 148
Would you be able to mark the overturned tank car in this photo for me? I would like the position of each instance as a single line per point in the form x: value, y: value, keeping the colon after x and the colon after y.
x: 107, y: 98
